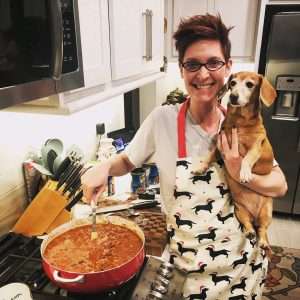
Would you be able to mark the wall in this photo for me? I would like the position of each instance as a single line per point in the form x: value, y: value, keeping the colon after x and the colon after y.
x: 22, y: 133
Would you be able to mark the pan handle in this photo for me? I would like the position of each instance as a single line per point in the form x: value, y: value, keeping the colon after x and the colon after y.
x: 58, y: 278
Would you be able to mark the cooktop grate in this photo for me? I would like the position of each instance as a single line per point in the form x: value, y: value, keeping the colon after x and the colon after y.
x: 20, y: 261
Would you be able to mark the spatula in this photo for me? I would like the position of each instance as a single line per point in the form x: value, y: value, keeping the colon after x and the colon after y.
x: 51, y: 156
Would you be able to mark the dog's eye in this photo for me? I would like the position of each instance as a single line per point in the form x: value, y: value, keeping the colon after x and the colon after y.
x: 249, y: 84
x: 232, y: 83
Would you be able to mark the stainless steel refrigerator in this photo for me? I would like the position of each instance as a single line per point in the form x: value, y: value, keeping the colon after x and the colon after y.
x: 280, y: 62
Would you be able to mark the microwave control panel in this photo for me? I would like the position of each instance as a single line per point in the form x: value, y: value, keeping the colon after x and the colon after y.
x: 70, y: 61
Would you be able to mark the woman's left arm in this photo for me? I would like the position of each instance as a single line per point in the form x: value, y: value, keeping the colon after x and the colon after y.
x: 273, y: 184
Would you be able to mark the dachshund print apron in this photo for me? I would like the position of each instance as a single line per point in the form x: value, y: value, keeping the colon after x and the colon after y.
x: 205, y: 238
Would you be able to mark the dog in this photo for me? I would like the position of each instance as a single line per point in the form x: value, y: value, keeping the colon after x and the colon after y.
x: 245, y: 92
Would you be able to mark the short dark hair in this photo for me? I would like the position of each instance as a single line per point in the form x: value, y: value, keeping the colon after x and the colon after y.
x: 202, y: 27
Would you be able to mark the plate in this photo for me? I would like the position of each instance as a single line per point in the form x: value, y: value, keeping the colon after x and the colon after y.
x: 15, y: 290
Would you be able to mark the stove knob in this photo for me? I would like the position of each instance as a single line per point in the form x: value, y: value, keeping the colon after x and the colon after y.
x: 165, y: 273
x: 164, y: 281
x: 158, y: 287
x: 155, y: 295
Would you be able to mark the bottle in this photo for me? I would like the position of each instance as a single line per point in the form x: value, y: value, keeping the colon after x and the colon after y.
x: 105, y: 151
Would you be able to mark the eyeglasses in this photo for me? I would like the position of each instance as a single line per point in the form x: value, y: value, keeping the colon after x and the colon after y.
x: 211, y: 65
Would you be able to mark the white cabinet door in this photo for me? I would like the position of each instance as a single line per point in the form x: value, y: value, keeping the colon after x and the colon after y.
x: 125, y: 18
x: 153, y: 34
x: 243, y: 15
x: 185, y: 9
x: 133, y: 25
x: 94, y: 29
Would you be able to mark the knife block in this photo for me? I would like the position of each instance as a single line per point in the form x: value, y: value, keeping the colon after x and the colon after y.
x: 63, y: 217
x: 45, y: 212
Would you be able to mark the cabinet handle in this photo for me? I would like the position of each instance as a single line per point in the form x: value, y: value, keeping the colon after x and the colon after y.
x: 148, y: 19
x: 298, y: 147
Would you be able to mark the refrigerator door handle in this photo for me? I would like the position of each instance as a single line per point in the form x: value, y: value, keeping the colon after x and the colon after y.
x: 298, y: 147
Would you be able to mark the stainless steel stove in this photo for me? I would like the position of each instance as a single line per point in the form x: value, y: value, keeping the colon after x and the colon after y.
x: 20, y: 261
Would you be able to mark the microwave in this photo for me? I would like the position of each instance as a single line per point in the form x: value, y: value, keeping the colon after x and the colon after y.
x: 40, y: 49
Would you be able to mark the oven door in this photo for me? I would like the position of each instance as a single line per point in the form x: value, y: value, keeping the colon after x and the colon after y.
x: 39, y: 49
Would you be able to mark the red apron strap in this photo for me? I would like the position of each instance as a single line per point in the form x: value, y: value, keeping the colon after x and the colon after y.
x: 181, y: 129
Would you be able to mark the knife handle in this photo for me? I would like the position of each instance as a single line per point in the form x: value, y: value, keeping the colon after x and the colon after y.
x: 76, y: 198
x: 75, y: 187
x: 66, y: 174
x: 146, y: 196
x: 62, y: 167
x: 72, y: 178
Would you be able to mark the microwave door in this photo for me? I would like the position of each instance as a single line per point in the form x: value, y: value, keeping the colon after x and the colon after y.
x: 39, y: 49
x: 25, y: 51
x: 66, y: 66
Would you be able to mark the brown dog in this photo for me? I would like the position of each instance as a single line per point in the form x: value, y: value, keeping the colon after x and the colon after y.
x: 245, y: 90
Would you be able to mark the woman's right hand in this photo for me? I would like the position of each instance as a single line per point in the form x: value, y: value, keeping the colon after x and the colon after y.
x: 230, y: 153
x: 94, y: 181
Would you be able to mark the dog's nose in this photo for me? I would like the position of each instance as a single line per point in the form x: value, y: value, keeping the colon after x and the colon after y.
x: 233, y: 99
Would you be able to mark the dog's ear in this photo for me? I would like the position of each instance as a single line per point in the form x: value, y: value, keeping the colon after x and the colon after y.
x: 267, y: 92
x: 228, y: 81
x: 222, y: 92
x: 224, y: 89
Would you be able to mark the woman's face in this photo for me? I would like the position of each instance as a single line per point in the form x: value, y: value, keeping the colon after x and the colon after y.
x: 203, y: 85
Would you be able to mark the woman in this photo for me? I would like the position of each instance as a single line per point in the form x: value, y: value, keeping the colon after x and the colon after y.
x: 205, y: 237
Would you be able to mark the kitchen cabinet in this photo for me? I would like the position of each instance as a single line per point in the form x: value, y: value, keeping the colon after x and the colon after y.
x: 136, y: 35
x: 242, y: 14
x: 94, y: 32
x: 122, y: 49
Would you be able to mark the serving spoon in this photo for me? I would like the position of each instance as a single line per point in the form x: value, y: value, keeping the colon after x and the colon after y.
x: 94, y: 233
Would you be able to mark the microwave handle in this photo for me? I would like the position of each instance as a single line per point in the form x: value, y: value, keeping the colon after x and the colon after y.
x: 57, y: 38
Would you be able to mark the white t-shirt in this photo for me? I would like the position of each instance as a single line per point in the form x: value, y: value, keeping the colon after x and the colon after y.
x: 156, y: 141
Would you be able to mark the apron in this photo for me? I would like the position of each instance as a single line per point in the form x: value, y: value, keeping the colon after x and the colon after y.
x: 205, y: 238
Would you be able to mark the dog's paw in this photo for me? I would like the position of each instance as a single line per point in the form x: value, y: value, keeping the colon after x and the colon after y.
x: 250, y: 234
x: 262, y: 243
x: 267, y: 252
x: 245, y: 172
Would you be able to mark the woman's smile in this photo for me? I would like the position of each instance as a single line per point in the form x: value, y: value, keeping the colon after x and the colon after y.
x: 202, y: 84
